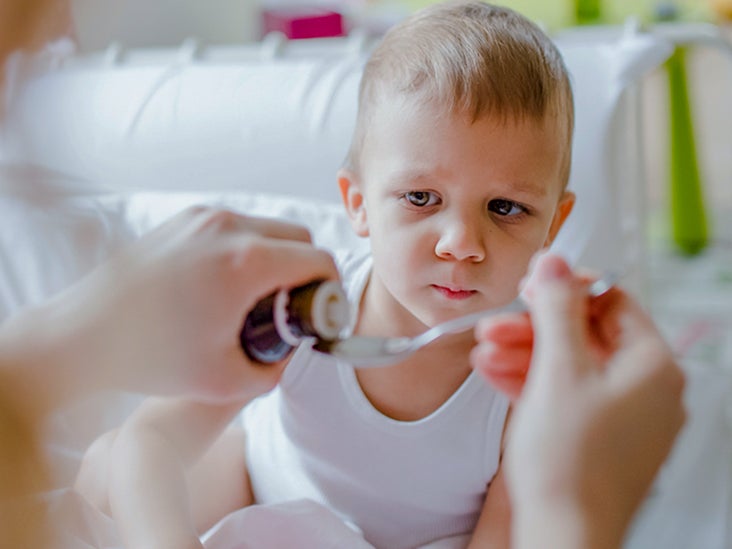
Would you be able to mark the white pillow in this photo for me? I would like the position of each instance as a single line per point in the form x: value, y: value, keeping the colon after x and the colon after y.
x: 52, y: 232
x: 53, y: 229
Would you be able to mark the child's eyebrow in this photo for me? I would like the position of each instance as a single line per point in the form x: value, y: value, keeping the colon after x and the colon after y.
x: 527, y: 187
x: 414, y: 176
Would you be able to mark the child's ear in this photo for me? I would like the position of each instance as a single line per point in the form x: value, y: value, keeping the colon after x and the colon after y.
x: 564, y: 208
x: 353, y: 201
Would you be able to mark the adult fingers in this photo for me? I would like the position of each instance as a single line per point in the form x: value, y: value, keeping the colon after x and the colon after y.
x: 635, y: 323
x: 648, y: 364
x: 491, y: 360
x: 507, y: 329
x: 558, y: 306
x: 504, y: 366
x: 226, y: 221
x: 489, y: 357
x: 197, y: 222
x: 273, y: 228
x: 511, y: 385
x: 618, y: 321
x: 263, y: 265
x: 235, y: 380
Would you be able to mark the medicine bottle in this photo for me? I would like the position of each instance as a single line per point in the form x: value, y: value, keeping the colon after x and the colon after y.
x: 282, y: 320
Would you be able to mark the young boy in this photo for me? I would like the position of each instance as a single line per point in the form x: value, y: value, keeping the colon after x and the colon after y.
x: 457, y: 175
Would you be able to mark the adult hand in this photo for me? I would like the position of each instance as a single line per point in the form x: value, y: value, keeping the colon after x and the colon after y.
x: 505, y: 344
x: 597, y: 417
x: 164, y: 315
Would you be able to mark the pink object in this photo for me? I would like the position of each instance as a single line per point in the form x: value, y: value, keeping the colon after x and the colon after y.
x: 303, y: 22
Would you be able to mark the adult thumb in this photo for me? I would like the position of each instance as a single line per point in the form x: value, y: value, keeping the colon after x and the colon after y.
x: 558, y: 306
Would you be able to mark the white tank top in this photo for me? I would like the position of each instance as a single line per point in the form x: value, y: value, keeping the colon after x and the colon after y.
x: 401, y: 483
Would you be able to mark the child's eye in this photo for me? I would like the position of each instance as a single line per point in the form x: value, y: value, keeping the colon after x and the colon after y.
x: 421, y: 198
x: 506, y: 208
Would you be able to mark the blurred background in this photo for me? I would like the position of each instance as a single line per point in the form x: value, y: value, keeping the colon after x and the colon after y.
x: 163, y: 22
x: 95, y: 24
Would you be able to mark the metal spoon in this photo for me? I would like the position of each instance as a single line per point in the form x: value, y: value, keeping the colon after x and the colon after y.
x: 373, y: 352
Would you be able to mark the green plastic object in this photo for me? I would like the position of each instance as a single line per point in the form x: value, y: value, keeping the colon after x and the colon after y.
x: 688, y: 215
x: 587, y: 12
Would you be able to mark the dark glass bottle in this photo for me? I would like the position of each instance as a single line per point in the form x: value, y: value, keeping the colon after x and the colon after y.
x: 280, y: 321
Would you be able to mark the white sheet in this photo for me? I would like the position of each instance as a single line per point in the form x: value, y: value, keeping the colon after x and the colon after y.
x: 300, y: 524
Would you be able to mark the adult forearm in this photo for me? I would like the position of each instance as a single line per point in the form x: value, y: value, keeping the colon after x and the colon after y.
x: 148, y: 492
x: 46, y: 355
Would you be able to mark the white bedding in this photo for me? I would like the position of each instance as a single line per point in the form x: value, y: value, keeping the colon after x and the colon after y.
x: 300, y: 524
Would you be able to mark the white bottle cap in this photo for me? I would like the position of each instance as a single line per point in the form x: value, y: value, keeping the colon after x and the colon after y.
x: 330, y: 311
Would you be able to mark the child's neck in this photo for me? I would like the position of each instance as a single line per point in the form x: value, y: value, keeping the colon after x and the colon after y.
x: 418, y: 386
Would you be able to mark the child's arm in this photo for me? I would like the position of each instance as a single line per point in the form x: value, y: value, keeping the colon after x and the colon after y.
x: 494, y: 525
x: 152, y: 457
x: 493, y: 530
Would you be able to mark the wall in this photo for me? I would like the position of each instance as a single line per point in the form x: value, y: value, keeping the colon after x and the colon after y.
x: 163, y: 22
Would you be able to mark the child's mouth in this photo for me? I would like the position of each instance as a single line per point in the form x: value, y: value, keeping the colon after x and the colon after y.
x: 454, y: 294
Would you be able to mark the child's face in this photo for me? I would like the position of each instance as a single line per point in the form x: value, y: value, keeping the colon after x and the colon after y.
x: 454, y: 210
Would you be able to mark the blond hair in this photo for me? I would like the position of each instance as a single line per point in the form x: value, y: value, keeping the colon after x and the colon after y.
x: 474, y: 59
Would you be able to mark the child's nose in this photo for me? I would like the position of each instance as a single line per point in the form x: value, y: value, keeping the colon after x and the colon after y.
x: 461, y: 241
